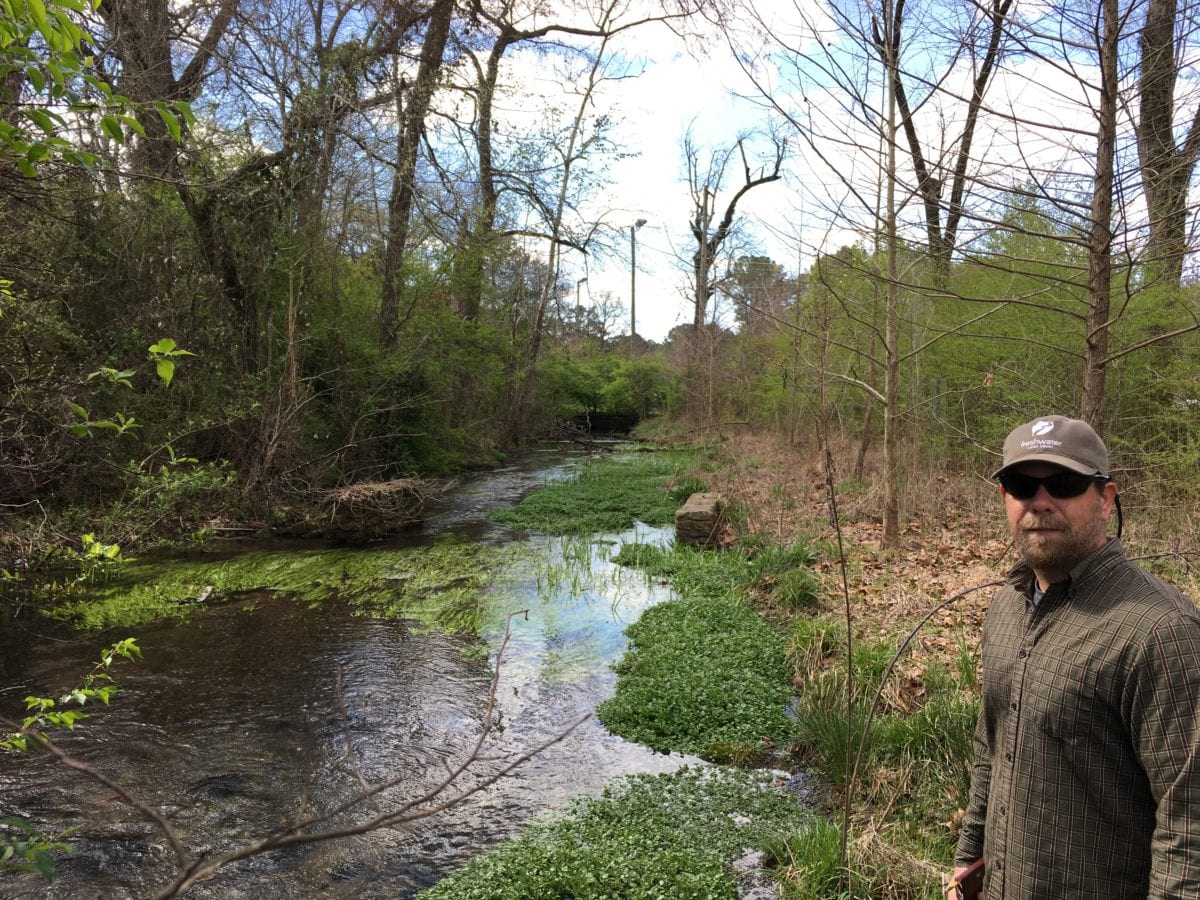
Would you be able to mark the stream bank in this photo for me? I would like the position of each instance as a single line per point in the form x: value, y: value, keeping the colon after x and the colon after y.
x: 258, y: 706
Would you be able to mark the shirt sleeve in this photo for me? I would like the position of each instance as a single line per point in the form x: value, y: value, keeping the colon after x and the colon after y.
x: 970, y: 838
x: 1163, y: 710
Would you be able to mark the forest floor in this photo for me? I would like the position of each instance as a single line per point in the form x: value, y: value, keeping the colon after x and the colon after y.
x: 954, y: 538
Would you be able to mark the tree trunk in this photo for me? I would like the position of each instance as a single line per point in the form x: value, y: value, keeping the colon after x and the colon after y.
x: 891, y: 339
x: 1166, y: 168
x: 1099, y: 284
x: 403, y: 195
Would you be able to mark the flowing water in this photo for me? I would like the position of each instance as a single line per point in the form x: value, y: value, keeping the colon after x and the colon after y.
x: 256, y: 712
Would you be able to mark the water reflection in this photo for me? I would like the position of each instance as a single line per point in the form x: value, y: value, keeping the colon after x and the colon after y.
x: 258, y: 712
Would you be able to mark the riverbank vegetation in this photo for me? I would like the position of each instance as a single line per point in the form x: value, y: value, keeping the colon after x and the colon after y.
x: 665, y: 836
x: 607, y: 497
x: 437, y: 585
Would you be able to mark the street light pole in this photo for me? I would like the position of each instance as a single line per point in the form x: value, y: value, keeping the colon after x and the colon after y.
x: 578, y: 308
x: 633, y: 283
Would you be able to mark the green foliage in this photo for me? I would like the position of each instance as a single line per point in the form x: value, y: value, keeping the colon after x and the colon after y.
x: 605, y: 497
x: 163, y: 354
x: 685, y: 487
x: 814, y: 865
x: 641, y: 386
x: 44, y: 49
x: 607, y: 383
x: 785, y: 574
x: 826, y: 726
x: 693, y: 573
x: 664, y: 837
x: 703, y: 670
x: 924, y: 753
x: 438, y: 585
x: 25, y: 849
x: 47, y: 714
x: 22, y: 847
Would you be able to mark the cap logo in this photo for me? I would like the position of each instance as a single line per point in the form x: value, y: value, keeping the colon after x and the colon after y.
x: 1042, y: 427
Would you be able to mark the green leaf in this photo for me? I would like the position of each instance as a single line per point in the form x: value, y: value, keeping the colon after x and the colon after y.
x: 133, y: 124
x: 37, y: 10
x: 78, y: 410
x: 42, y: 119
x: 166, y: 370
x: 112, y: 127
x: 44, y: 863
x: 36, y: 78
x: 170, y: 120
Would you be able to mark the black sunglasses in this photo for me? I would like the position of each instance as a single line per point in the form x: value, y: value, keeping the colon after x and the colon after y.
x: 1060, y: 485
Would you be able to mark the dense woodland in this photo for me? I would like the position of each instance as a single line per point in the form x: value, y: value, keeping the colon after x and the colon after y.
x: 252, y: 252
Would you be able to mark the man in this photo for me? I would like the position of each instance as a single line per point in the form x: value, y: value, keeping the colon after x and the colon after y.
x: 1086, y: 781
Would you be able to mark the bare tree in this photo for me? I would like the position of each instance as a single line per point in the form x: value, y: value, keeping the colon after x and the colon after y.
x: 933, y: 175
x: 1166, y: 40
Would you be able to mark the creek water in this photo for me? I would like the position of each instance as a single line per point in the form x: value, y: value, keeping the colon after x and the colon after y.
x: 256, y: 712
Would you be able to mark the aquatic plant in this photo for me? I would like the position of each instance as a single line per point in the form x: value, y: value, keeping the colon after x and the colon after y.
x: 607, y: 496
x: 438, y: 584
x: 653, y: 836
x: 699, y: 673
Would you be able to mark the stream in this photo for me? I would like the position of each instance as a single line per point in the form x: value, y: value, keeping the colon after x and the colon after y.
x: 261, y: 710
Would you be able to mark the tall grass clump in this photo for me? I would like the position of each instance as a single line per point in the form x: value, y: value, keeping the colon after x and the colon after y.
x: 810, y: 865
x: 785, y: 576
x: 917, y: 753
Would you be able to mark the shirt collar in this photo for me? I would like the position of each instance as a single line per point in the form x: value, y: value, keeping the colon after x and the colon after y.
x: 1021, y: 576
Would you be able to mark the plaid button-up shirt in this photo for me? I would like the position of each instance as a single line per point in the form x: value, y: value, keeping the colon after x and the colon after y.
x: 1086, y: 781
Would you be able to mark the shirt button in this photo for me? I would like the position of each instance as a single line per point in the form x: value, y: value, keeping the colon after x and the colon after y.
x: 1013, y: 706
x: 1008, y: 757
x: 1023, y: 654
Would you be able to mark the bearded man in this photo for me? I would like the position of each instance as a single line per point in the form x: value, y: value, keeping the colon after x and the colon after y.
x: 1086, y: 779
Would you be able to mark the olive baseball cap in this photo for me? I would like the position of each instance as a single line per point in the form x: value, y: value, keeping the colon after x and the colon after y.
x: 1070, y: 443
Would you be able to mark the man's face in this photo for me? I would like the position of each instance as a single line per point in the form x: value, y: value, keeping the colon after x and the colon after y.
x: 1052, y: 534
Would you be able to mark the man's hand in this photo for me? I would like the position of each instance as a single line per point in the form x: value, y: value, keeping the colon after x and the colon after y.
x: 952, y: 892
